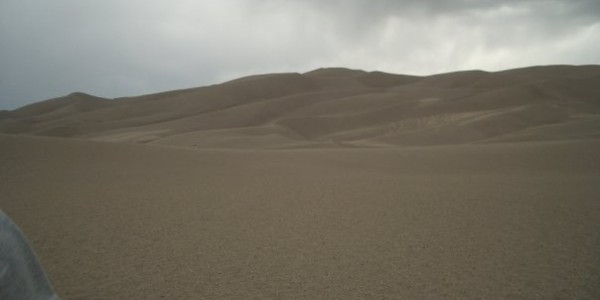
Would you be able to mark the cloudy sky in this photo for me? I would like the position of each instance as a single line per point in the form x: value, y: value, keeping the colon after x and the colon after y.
x: 113, y: 48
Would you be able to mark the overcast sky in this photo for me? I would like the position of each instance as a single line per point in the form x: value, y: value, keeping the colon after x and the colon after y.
x: 113, y: 48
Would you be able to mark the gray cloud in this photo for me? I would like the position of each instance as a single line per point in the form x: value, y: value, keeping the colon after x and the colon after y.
x: 115, y: 48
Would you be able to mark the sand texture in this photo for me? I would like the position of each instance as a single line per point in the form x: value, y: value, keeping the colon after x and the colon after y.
x: 333, y: 184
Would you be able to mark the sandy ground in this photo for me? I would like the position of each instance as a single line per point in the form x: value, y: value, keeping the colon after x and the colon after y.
x: 331, y: 184
x: 123, y: 221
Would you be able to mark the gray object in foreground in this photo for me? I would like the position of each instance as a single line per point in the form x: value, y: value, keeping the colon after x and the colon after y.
x: 21, y: 275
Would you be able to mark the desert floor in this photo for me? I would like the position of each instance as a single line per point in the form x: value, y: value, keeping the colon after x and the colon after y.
x: 488, y: 221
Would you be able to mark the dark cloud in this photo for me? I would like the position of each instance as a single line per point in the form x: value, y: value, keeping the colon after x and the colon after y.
x: 114, y: 48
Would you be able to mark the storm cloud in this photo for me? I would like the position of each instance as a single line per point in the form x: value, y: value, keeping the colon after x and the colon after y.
x: 115, y: 48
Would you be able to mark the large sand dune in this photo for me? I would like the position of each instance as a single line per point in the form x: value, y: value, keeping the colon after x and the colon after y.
x: 332, y: 106
x: 333, y: 184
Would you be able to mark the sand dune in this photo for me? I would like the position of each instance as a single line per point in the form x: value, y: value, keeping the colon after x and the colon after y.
x: 332, y: 184
x: 336, y: 105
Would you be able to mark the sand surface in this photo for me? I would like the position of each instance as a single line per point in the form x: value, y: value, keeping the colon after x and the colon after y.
x: 120, y: 221
x: 332, y: 184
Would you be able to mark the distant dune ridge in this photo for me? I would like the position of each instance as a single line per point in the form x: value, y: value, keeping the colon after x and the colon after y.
x: 333, y: 184
x: 335, y: 107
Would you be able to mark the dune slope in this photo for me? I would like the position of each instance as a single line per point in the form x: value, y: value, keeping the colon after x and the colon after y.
x: 333, y: 106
